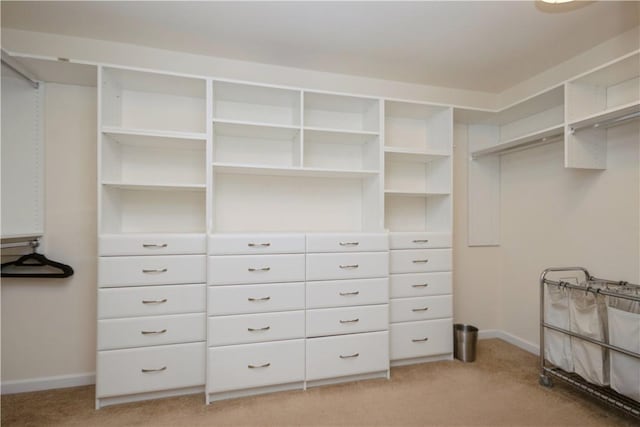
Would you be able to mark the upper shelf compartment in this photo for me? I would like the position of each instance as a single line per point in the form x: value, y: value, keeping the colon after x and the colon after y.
x: 137, y: 100
x: 251, y: 104
x: 417, y: 132
x: 538, y: 119
x: 341, y: 113
x: 605, y: 94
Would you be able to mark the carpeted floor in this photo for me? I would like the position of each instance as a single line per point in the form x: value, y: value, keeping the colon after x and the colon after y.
x: 499, y: 389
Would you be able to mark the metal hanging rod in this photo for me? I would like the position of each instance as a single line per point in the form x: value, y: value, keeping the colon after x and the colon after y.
x: 34, y: 243
x: 521, y: 147
x: 10, y: 63
x: 609, y: 122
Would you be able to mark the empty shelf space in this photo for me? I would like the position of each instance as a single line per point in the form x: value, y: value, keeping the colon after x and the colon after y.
x: 408, y: 155
x: 340, y: 112
x: 541, y: 136
x: 253, y: 129
x: 228, y: 168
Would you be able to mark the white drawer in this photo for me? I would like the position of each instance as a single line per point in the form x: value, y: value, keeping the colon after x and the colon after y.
x: 347, y: 355
x: 248, y: 328
x: 141, y: 370
x: 347, y: 320
x: 412, y: 240
x: 151, y: 270
x: 147, y: 331
x: 421, y: 308
x: 255, y: 365
x: 236, y: 269
x: 238, y: 244
x: 347, y: 265
x: 419, y: 339
x: 151, y: 244
x: 420, y: 260
x: 340, y: 293
x: 347, y: 242
x: 420, y: 284
x: 255, y: 298
x: 151, y: 301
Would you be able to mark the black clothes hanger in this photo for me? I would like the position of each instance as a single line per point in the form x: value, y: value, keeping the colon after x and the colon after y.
x: 31, y: 263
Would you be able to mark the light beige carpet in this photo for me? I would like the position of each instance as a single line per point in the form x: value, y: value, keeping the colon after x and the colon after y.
x: 499, y: 389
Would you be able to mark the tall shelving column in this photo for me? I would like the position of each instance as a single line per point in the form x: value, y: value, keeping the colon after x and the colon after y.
x: 151, y: 224
x: 418, y: 215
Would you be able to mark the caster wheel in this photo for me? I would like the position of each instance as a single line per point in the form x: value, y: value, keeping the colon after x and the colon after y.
x: 546, y: 381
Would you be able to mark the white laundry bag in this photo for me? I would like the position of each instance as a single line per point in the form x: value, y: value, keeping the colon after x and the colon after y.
x: 557, y: 346
x: 624, y: 332
x: 588, y: 317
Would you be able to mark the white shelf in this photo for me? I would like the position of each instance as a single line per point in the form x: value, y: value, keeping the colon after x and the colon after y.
x: 408, y: 155
x: 338, y: 135
x: 531, y: 138
x: 156, y: 139
x: 606, y: 115
x: 414, y: 193
x: 56, y: 71
x: 154, y: 186
x: 229, y: 168
x: 247, y: 129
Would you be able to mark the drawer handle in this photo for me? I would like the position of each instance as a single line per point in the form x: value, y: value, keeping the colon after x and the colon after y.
x: 420, y: 309
x: 259, y: 245
x: 420, y: 261
x: 344, y: 294
x: 148, y: 371
x: 349, y: 356
x: 154, y: 301
x: 347, y: 266
x: 350, y: 321
x: 421, y: 241
x: 259, y: 299
x: 154, y: 245
x: 425, y: 339
x: 349, y: 243
x: 266, y: 328
x: 421, y: 285
x: 153, y: 332
x: 154, y: 270
x: 259, y: 269
x: 266, y: 365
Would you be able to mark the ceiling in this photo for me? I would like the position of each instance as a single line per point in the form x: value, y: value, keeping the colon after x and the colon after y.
x: 484, y: 46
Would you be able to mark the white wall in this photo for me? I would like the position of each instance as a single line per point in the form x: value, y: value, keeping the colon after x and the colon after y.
x: 48, y: 325
x: 552, y: 216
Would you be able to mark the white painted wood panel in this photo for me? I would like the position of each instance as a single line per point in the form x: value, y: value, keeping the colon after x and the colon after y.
x: 258, y: 243
x: 420, y: 339
x: 251, y: 328
x: 347, y: 320
x: 415, y: 240
x: 347, y: 242
x: 347, y: 265
x: 420, y: 260
x: 420, y: 284
x: 150, y: 300
x: 155, y: 270
x: 151, y: 244
x: 341, y: 293
x: 223, y: 300
x: 421, y: 308
x: 237, y: 269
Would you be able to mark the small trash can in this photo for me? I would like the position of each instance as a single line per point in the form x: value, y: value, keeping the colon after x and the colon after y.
x: 465, y: 338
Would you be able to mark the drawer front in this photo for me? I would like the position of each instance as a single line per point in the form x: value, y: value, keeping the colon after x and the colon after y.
x: 347, y: 242
x: 149, y: 369
x: 255, y: 298
x: 151, y: 301
x: 420, y: 339
x: 347, y: 320
x: 420, y: 284
x: 147, y: 331
x: 425, y: 240
x: 249, y: 328
x: 151, y: 270
x: 422, y: 308
x: 347, y: 355
x: 255, y: 365
x: 420, y: 261
x: 240, y: 244
x: 152, y: 244
x: 347, y: 266
x: 237, y: 269
x: 341, y: 293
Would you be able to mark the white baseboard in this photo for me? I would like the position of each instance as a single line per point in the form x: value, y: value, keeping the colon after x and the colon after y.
x: 511, y: 339
x: 47, y: 383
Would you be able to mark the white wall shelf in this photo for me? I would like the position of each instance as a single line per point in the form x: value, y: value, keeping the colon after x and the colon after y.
x: 154, y: 186
x: 140, y: 136
x: 396, y: 154
x: 414, y: 193
x: 541, y: 136
x: 609, y: 115
x: 242, y: 169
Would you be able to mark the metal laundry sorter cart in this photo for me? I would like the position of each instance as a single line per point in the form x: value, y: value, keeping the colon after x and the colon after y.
x: 606, y: 288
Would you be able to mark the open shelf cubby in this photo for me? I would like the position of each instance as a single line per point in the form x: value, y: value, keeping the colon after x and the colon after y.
x: 418, y: 212
x: 341, y: 150
x: 150, y: 101
x: 341, y: 113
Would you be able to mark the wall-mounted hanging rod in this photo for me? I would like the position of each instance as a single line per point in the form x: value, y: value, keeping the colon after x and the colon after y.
x: 524, y: 146
x: 32, y: 243
x: 10, y: 63
x: 610, y: 122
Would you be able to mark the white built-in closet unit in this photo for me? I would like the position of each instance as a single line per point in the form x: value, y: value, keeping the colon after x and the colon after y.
x: 255, y: 238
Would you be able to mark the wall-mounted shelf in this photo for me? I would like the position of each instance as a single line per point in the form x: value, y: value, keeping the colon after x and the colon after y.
x: 537, y: 137
x: 608, y: 117
x: 407, y: 193
x: 398, y: 154
x: 152, y: 137
x: 154, y: 186
x: 240, y: 169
